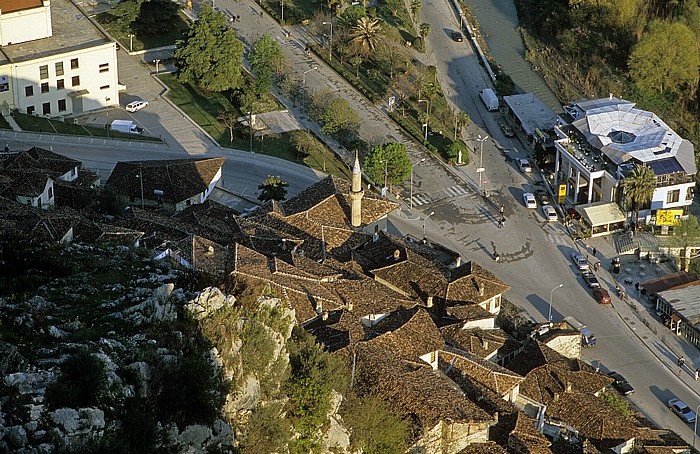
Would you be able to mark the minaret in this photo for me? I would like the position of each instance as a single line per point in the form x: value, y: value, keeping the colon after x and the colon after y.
x: 356, y: 194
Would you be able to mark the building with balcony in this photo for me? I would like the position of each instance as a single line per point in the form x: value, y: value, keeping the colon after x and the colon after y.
x: 605, y: 140
x: 54, y: 60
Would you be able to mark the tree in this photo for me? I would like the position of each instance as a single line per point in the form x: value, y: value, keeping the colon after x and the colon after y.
x: 639, y: 188
x: 461, y: 120
x: 453, y: 149
x: 393, y: 52
x: 349, y: 18
x: 264, y: 56
x: 228, y: 118
x: 366, y: 35
x: 416, y: 5
x: 392, y: 158
x: 423, y: 30
x: 340, y: 119
x: 211, y: 55
x: 666, y: 59
x: 157, y: 16
x: 305, y: 143
x: 375, y: 428
x: 273, y: 189
x: 394, y: 6
x: 686, y: 234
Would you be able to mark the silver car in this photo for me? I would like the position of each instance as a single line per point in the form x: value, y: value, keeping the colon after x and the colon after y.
x: 580, y: 261
x: 682, y: 410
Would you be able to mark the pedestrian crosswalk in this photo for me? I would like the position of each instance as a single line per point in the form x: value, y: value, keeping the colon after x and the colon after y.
x: 453, y: 191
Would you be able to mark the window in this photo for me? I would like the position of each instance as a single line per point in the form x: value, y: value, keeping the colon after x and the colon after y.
x: 46, y: 108
x: 30, y: 110
x: 60, y: 84
x: 104, y: 87
x: 75, y: 81
x: 104, y: 67
x: 673, y: 196
x: 29, y: 90
x: 74, y: 63
x: 44, y: 71
x: 50, y: 193
x: 59, y: 68
x: 44, y: 87
x: 62, y: 105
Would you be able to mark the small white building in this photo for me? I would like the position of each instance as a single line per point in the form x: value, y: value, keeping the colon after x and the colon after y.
x: 607, y: 139
x: 54, y: 60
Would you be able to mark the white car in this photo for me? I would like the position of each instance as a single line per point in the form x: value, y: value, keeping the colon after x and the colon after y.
x: 524, y: 165
x: 135, y: 106
x: 550, y: 213
x: 529, y: 200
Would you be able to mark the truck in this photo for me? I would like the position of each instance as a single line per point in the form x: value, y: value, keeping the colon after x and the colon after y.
x: 587, y: 337
x: 126, y: 126
x: 489, y: 98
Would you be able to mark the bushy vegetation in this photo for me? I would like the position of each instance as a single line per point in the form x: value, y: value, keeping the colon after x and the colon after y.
x: 618, y: 403
x: 376, y: 429
x: 82, y: 382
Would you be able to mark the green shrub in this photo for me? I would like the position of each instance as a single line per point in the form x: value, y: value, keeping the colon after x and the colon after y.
x: 618, y: 403
x: 82, y: 382
x: 418, y: 44
x: 452, y: 151
x: 375, y: 428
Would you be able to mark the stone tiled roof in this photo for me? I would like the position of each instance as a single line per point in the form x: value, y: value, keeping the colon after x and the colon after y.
x: 543, y: 384
x: 213, y: 216
x: 368, y: 296
x: 26, y: 183
x: 94, y: 232
x: 407, y: 332
x: 178, y: 179
x: 205, y: 255
x: 341, y: 330
x: 494, y: 377
x: 488, y: 447
x: 476, y: 341
x: 412, y: 388
x: 38, y: 160
x: 380, y: 251
x: 469, y: 312
x: 468, y: 280
x: 536, y: 354
x: 595, y: 420
x: 525, y: 438
x: 35, y: 223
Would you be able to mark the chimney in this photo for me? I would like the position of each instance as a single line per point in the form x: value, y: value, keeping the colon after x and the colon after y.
x: 495, y: 416
x: 556, y: 397
x: 458, y: 261
x: 429, y: 303
x: 486, y: 344
x: 397, y: 254
x: 319, y: 306
x: 610, y: 95
x: 481, y: 288
x: 351, y: 306
x: 324, y: 315
x: 568, y: 386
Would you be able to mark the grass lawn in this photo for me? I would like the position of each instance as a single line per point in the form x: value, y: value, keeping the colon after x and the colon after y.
x: 143, y: 40
x: 41, y: 124
x: 204, y: 108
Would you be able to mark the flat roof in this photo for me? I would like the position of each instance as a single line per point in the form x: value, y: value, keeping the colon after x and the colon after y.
x: 685, y: 301
x: 10, y: 6
x: 601, y: 213
x: 532, y: 112
x: 72, y: 30
x: 670, y: 281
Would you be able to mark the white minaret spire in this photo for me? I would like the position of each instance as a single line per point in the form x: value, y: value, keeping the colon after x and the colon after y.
x: 356, y: 194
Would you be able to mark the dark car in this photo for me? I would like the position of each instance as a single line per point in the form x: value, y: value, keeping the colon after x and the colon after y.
x: 601, y: 295
x: 457, y: 36
x: 591, y: 280
x: 543, y: 197
x: 621, y: 384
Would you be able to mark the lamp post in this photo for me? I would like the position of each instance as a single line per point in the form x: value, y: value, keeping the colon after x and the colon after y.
x: 140, y: 177
x: 303, y: 90
x: 131, y: 42
x: 282, y: 19
x: 481, y: 169
x: 551, y: 293
x: 330, y: 41
x: 427, y: 116
x: 386, y: 171
x: 424, y: 221
x: 412, y: 166
x: 157, y: 62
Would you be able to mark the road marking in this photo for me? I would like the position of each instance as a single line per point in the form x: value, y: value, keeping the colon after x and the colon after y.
x: 455, y: 191
x: 420, y: 199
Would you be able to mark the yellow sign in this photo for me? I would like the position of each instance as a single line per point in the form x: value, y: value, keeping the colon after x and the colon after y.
x: 668, y: 217
x: 562, y: 193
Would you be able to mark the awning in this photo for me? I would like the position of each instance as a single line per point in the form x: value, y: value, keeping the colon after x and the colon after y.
x: 601, y: 213
x: 75, y: 94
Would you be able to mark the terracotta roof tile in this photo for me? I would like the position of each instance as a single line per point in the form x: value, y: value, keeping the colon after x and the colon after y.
x: 497, y: 379
x: 342, y: 329
x: 478, y: 342
x: 535, y: 354
x: 545, y: 383
x: 524, y: 438
x: 178, y: 179
x: 407, y: 332
x: 469, y: 312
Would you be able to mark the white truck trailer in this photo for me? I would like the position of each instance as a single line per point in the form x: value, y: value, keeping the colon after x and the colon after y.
x: 489, y: 98
x: 126, y: 126
x: 587, y: 337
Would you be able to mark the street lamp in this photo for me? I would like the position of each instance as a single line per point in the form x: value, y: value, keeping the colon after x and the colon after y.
x: 412, y: 166
x: 427, y: 115
x: 282, y: 19
x: 157, y: 62
x: 131, y: 42
x: 481, y: 169
x: 330, y: 41
x: 550, y: 302
x: 386, y: 171
x: 424, y: 221
x: 303, y: 91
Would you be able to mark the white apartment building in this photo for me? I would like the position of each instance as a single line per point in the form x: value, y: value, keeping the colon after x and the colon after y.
x: 54, y: 60
x: 607, y: 138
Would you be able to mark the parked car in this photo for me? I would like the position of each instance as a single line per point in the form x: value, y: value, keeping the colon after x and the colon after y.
x: 457, y: 36
x: 621, y: 384
x: 682, y: 410
x: 550, y: 213
x: 135, y: 106
x: 524, y: 165
x: 601, y: 295
x: 543, y: 197
x: 507, y: 130
x: 580, y: 261
x: 591, y: 280
x: 529, y: 200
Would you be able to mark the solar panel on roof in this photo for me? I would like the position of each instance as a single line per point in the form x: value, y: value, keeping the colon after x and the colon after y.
x: 665, y: 166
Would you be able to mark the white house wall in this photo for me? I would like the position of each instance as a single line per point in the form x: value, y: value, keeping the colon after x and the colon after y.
x: 658, y: 200
x: 97, y: 72
x: 26, y: 25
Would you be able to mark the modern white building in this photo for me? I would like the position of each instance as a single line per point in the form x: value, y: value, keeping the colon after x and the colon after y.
x: 54, y: 60
x: 607, y: 138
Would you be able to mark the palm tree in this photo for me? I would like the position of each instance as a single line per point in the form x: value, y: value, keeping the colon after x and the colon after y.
x: 366, y: 34
x: 639, y: 188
